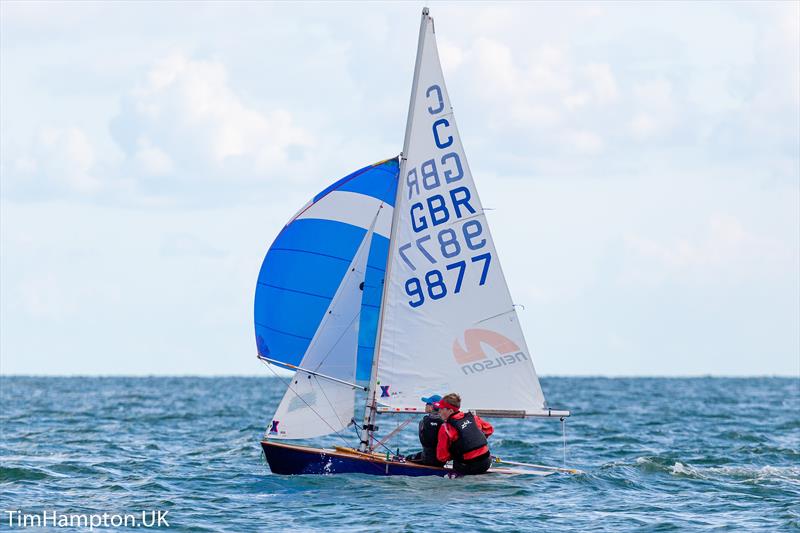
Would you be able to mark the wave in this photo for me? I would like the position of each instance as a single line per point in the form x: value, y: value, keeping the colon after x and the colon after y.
x: 10, y: 474
x: 789, y: 474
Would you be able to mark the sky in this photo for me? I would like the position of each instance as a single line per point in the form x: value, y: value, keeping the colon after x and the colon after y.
x: 642, y: 161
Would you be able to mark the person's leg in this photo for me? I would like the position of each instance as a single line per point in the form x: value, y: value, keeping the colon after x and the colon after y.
x: 415, y: 457
x: 432, y: 462
x: 429, y: 458
x: 483, y: 465
x: 472, y: 468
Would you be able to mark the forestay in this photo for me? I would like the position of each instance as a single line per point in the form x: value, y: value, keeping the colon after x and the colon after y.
x: 449, y: 323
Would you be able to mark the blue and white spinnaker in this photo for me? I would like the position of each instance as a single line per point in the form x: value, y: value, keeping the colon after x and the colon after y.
x: 305, y: 265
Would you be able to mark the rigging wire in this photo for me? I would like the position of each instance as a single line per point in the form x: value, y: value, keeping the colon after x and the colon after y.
x: 358, y: 434
x: 289, y: 387
x: 355, y: 427
x: 463, y: 219
x: 497, y: 315
x: 395, y: 431
x: 329, y: 402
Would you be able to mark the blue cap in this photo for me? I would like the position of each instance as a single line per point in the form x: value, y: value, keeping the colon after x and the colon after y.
x: 432, y: 398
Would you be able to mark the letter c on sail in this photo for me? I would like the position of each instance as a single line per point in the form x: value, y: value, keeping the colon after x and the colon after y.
x: 474, y: 351
x: 438, y: 140
x: 440, y: 105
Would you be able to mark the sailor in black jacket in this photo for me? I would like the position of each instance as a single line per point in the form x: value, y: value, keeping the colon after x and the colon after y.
x: 428, y: 434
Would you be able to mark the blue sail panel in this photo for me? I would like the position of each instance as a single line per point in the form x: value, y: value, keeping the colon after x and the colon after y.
x: 370, y: 305
x: 308, y: 259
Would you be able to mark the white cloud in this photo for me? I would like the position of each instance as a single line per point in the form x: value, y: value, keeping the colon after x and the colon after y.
x: 496, y: 66
x: 152, y: 159
x: 656, y: 108
x: 767, y: 122
x: 723, y: 250
x: 451, y: 55
x: 602, y: 81
x: 194, y: 123
x: 44, y: 297
x: 550, y: 70
x: 654, y: 94
x: 643, y: 125
x: 585, y: 142
x: 71, y: 148
x: 59, y: 158
x: 540, y: 96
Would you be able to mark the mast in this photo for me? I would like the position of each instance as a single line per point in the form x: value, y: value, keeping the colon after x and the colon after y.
x: 370, y: 409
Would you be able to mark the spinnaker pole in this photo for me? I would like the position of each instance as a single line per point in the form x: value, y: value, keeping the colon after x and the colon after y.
x: 370, y: 409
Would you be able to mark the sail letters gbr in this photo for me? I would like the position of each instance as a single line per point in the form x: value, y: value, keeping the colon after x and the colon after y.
x: 447, y: 237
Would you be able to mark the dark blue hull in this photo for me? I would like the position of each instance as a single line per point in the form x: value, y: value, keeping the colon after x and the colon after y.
x: 289, y: 459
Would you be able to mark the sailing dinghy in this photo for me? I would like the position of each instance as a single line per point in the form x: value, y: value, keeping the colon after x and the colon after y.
x: 388, y: 281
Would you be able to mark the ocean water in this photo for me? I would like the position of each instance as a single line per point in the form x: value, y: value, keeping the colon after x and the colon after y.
x: 658, y: 455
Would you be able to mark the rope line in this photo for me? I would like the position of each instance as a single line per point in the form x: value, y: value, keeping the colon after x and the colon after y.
x: 335, y: 344
x: 329, y: 402
x: 289, y: 387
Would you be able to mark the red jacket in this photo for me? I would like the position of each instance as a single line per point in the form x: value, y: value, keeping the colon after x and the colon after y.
x: 448, y: 435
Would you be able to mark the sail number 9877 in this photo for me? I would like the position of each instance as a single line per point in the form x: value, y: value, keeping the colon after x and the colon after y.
x: 433, y: 285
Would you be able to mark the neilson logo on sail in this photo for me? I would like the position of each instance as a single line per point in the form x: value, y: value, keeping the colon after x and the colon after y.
x: 473, y: 359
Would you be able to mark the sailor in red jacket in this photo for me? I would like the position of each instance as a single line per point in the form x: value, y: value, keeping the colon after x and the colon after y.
x: 463, y: 438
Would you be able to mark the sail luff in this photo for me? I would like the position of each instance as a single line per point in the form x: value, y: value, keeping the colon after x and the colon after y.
x: 371, y: 404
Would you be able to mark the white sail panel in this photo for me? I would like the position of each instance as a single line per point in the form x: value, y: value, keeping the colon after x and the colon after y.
x: 313, y: 405
x: 449, y: 324
x: 351, y: 208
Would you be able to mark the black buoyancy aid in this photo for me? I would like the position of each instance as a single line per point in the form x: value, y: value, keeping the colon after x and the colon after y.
x: 470, y: 436
x: 429, y: 432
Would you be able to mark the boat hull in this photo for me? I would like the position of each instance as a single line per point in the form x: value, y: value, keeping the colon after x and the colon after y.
x: 289, y: 459
x: 292, y: 460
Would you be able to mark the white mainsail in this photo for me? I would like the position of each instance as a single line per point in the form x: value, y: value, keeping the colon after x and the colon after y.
x: 448, y: 324
x: 315, y: 405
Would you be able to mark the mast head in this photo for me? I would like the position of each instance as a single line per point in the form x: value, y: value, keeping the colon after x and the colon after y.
x: 424, y: 10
